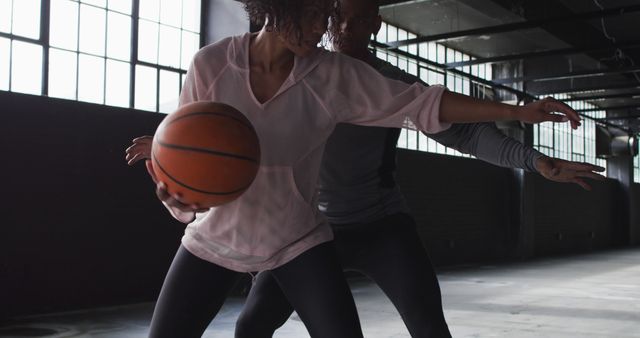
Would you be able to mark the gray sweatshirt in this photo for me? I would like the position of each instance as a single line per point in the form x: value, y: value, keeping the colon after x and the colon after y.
x: 357, y: 174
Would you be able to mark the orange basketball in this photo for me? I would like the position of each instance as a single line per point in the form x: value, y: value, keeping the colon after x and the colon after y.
x: 207, y: 152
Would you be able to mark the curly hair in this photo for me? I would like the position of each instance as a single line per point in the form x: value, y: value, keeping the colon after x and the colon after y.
x: 286, y: 15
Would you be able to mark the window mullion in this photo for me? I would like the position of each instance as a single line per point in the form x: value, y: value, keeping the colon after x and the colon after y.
x: 45, y: 17
x: 135, y: 13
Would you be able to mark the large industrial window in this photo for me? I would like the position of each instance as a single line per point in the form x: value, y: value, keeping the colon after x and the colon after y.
x: 559, y: 140
x: 410, y: 139
x: 128, y: 53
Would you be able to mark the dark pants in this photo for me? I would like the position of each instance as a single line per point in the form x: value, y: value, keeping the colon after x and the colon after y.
x: 390, y: 252
x: 194, y: 290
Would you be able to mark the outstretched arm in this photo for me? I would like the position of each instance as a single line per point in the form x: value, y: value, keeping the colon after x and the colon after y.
x: 353, y: 92
x: 487, y: 143
x: 458, y: 108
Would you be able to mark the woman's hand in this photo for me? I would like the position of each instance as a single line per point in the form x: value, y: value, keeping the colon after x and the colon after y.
x: 558, y: 170
x: 175, y: 200
x: 139, y: 150
x: 546, y: 110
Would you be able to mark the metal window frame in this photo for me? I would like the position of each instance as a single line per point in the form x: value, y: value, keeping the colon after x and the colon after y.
x: 44, y: 41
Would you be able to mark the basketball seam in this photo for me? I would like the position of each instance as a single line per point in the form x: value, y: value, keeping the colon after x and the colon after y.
x: 242, y: 122
x: 155, y: 160
x: 207, y: 151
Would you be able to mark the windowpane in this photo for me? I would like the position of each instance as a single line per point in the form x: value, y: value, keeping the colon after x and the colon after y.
x: 63, y: 30
x: 382, y: 33
x: 99, y: 3
x: 169, y: 91
x: 169, y: 53
x: 26, y: 18
x: 117, y: 93
x: 92, y: 30
x: 5, y: 16
x: 26, y: 68
x: 150, y: 9
x: 123, y: 6
x: 148, y: 41
x: 4, y: 63
x: 119, y: 36
x: 191, y: 15
x: 170, y: 12
x: 146, y: 84
x: 62, y: 73
x: 91, y: 79
x: 190, y: 45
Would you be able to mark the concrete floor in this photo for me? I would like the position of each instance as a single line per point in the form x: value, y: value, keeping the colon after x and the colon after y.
x: 592, y: 295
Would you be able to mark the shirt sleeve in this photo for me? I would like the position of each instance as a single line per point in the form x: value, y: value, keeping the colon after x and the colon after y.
x: 486, y: 142
x: 363, y: 96
x: 190, y: 87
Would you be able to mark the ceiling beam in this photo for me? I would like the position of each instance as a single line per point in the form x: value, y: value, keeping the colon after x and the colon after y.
x: 628, y: 117
x: 604, y: 97
x: 551, y: 52
x: 631, y: 106
x: 598, y: 88
x: 519, y: 25
x: 520, y: 94
x: 570, y: 75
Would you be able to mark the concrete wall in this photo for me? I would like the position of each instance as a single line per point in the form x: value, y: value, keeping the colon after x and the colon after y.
x: 462, y: 206
x: 570, y: 219
x: 79, y: 227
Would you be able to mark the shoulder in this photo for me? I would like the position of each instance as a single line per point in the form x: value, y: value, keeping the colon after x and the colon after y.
x: 215, y: 50
x: 346, y: 64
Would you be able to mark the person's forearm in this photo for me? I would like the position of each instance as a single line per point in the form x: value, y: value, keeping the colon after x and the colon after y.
x: 487, y: 143
x: 458, y: 108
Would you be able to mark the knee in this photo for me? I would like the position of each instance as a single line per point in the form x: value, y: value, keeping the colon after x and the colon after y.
x: 247, y: 326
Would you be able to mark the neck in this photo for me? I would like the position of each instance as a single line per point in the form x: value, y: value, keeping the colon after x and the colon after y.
x: 267, y: 52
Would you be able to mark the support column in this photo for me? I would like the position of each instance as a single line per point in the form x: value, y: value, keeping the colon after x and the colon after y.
x: 620, y: 168
x: 522, y: 234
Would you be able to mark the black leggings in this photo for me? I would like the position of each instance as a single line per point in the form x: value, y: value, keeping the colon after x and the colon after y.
x: 194, y: 290
x: 390, y: 252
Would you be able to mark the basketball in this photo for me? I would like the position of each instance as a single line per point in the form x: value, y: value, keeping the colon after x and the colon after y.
x: 207, y: 152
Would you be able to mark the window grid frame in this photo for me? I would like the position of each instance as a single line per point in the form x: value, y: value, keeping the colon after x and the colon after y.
x: 410, y: 137
x: 43, y: 41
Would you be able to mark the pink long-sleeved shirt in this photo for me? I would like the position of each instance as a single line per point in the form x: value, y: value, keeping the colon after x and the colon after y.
x: 277, y: 218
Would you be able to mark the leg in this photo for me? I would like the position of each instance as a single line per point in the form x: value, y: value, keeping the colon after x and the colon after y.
x: 265, y: 310
x: 314, y: 284
x: 391, y: 253
x: 191, y: 296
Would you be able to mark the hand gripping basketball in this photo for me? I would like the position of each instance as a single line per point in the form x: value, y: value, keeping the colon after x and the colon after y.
x: 206, y: 152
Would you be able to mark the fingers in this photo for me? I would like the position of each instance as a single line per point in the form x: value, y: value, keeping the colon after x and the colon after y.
x: 553, y: 105
x: 591, y: 175
x: 162, y: 193
x: 141, y: 148
x: 176, y: 200
x: 556, y: 118
x: 579, y: 166
x: 131, y: 160
x: 145, y: 139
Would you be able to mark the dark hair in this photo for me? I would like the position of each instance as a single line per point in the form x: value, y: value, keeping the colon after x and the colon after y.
x: 283, y: 15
